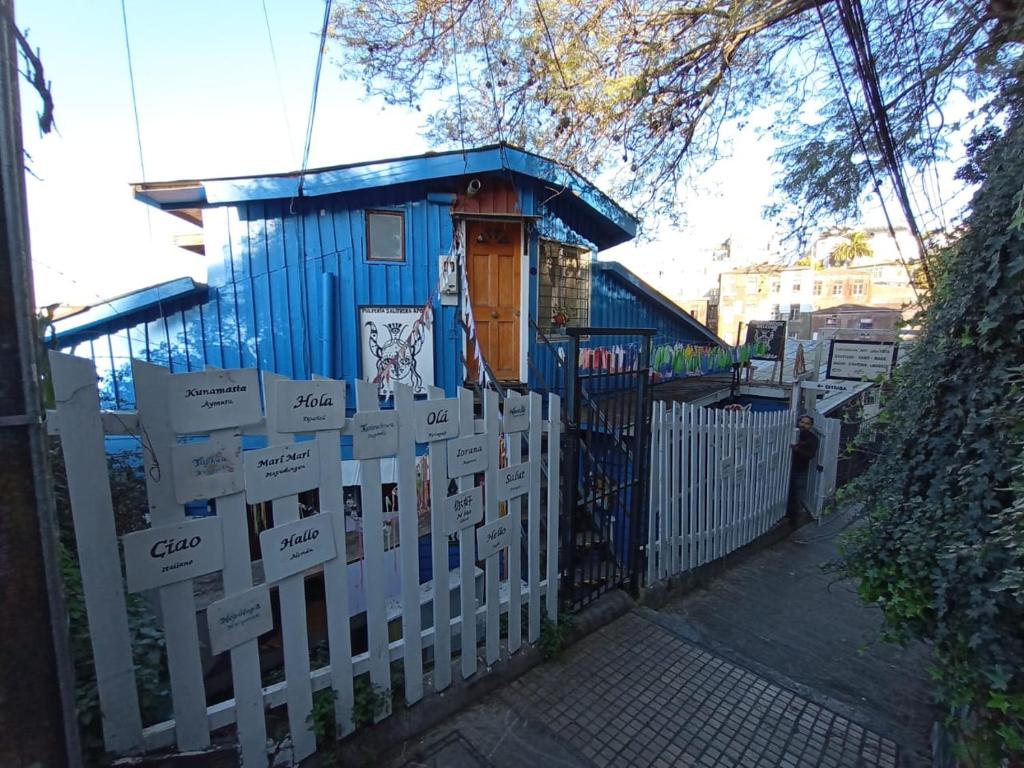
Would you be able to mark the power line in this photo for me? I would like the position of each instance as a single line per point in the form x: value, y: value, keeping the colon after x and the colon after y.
x: 316, y: 89
x: 277, y: 76
x: 131, y: 80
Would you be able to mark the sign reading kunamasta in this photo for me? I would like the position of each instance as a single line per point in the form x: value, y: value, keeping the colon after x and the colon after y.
x: 467, y: 456
x: 209, y: 400
x: 238, y: 618
x: 860, y: 360
x: 207, y: 470
x: 294, y: 547
x: 159, y: 556
x: 310, y: 406
x: 281, y: 470
x: 374, y: 434
x: 436, y: 419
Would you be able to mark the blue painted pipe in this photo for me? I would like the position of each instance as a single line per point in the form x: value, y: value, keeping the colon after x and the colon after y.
x: 330, y: 323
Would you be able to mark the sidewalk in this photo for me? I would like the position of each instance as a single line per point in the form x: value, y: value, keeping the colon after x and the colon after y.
x: 759, y: 669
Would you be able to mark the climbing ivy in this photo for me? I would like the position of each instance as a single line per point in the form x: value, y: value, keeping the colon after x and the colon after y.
x: 941, y: 550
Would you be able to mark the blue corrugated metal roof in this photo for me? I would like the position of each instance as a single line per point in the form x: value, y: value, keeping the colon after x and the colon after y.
x: 659, y: 298
x: 137, y: 301
x: 621, y: 225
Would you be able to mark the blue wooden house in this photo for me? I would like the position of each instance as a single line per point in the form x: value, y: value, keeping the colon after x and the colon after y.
x: 326, y: 272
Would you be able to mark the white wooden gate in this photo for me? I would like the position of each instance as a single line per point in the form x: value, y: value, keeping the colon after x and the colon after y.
x: 719, y: 479
x: 303, y: 423
x: 822, y: 484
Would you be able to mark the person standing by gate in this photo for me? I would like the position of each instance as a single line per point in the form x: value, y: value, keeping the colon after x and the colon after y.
x: 804, y: 450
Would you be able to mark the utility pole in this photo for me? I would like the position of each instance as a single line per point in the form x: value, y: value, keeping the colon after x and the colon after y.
x: 37, y: 714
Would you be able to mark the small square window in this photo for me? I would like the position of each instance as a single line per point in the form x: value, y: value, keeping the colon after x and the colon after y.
x: 837, y: 289
x: 776, y: 286
x: 817, y: 287
x: 385, y: 236
x: 796, y: 286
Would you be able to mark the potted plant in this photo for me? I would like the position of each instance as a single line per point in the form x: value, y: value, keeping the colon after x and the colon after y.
x: 559, y: 319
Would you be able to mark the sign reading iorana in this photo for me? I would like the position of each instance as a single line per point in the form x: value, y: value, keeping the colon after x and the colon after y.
x: 208, y: 400
x: 159, y: 556
x: 293, y: 547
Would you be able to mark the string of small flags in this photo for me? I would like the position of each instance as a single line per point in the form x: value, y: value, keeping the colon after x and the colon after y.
x: 466, y: 309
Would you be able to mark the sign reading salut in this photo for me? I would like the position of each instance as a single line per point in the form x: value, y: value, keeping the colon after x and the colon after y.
x: 281, y: 470
x: 310, y: 406
x: 294, y: 547
x: 493, y: 537
x: 436, y: 419
x: 463, y: 510
x: 515, y: 416
x: 513, y: 481
x: 238, y: 618
x: 207, y: 470
x: 160, y: 556
x: 209, y: 400
x: 374, y: 434
x: 467, y: 455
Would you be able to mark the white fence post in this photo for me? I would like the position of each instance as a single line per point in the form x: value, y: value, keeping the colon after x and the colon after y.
x: 438, y: 468
x: 533, y: 514
x: 554, y: 476
x: 467, y: 551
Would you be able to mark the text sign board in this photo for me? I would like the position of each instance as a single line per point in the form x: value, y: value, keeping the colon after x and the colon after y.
x: 374, y: 434
x: 310, y: 406
x: 281, y: 470
x: 493, y: 537
x: 209, y: 400
x: 467, y: 456
x: 160, y: 556
x: 513, y: 481
x: 436, y: 419
x: 860, y: 360
x: 463, y: 510
x: 767, y: 338
x: 207, y: 470
x: 239, y: 618
x: 827, y: 386
x: 515, y: 415
x: 294, y: 547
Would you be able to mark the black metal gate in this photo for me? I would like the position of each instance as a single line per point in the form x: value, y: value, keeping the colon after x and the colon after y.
x: 605, y: 467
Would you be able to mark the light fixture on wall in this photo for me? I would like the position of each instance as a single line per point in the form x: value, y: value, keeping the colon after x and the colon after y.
x: 473, y: 187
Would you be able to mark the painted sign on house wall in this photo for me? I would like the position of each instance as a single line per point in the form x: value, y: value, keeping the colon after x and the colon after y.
x: 391, y: 352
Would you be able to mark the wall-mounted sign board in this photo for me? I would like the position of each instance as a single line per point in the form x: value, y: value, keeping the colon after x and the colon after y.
x: 767, y: 338
x: 515, y: 416
x: 860, y: 360
x: 297, y: 546
x: 436, y: 419
x: 160, y: 556
x: 239, y: 618
x: 310, y: 406
x: 207, y: 470
x: 209, y: 400
x: 467, y: 456
x: 281, y: 470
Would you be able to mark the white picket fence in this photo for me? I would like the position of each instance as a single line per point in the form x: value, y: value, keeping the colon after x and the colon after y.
x: 719, y: 479
x: 166, y: 558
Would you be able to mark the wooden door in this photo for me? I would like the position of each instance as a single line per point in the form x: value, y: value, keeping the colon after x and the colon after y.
x: 493, y: 256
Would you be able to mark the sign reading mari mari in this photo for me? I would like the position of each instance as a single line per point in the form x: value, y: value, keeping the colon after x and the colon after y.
x: 281, y: 470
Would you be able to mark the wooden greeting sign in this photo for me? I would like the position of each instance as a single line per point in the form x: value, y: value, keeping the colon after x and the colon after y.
x: 493, y: 537
x: 215, y: 399
x: 310, y: 406
x: 297, y: 546
x: 281, y: 470
x: 463, y: 510
x: 207, y: 470
x: 436, y: 419
x: 374, y: 434
x: 467, y: 456
x: 238, y: 618
x: 515, y: 416
x: 167, y: 554
x: 514, y: 481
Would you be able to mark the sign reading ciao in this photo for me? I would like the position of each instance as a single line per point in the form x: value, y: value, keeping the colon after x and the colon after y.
x: 374, y: 434
x: 436, y: 419
x: 493, y: 537
x: 281, y: 470
x: 467, y: 456
x: 239, y: 618
x: 310, y: 406
x: 463, y: 510
x: 209, y: 400
x: 207, y: 470
x: 159, y: 556
x: 294, y: 547
x: 513, y: 481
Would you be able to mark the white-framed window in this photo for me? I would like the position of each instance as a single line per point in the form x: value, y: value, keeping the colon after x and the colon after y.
x: 563, y: 286
x: 385, y: 236
x: 817, y: 287
x: 837, y: 289
x: 776, y: 286
x: 796, y: 286
x: 858, y: 287
x: 831, y: 320
x: 794, y: 311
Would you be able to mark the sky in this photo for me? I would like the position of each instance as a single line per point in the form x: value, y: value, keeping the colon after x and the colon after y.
x: 214, y: 100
